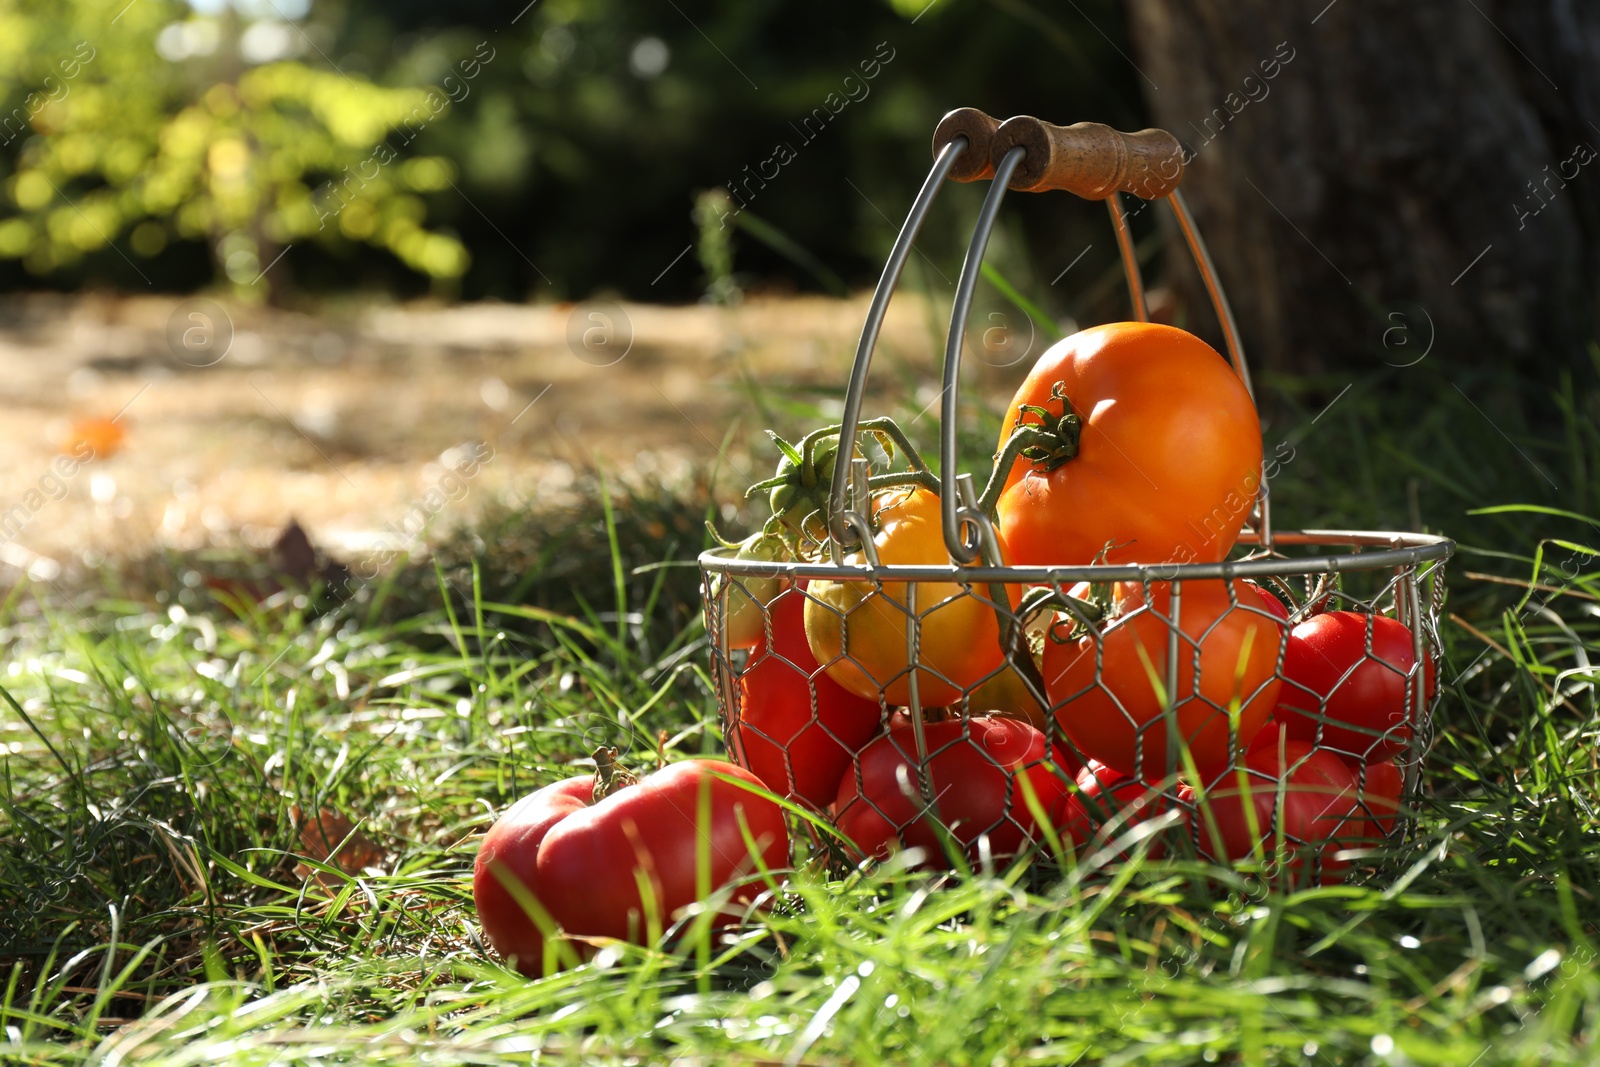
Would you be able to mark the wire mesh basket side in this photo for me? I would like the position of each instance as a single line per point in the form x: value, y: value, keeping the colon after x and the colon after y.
x: 831, y: 746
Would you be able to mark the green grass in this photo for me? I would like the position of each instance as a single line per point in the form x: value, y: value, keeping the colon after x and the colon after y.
x: 157, y: 905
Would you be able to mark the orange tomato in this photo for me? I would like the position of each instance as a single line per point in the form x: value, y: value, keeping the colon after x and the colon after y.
x: 1167, y: 460
x: 1109, y: 687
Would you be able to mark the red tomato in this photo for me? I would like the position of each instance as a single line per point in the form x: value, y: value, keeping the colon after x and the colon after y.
x: 1006, y: 694
x: 1066, y: 760
x: 1109, y: 698
x: 900, y: 718
x: 974, y: 768
x: 1061, y: 754
x: 1363, y: 697
x: 1269, y: 600
x: 1166, y: 461
x: 1313, y: 816
x: 1380, y: 788
x: 581, y: 861
x: 797, y: 728
x: 1105, y: 795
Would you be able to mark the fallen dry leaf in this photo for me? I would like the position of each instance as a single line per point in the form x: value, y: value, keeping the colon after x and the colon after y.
x: 328, y: 831
x: 101, y: 434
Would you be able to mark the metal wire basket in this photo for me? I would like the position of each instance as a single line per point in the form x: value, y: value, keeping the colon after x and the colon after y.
x: 932, y: 725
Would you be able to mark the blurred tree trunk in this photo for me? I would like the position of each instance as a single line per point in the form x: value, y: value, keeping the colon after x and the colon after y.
x: 1371, y: 174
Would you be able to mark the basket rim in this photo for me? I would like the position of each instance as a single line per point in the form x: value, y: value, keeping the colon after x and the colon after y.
x: 1392, y: 550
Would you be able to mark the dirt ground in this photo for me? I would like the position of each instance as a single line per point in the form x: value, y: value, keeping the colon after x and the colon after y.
x: 361, y: 421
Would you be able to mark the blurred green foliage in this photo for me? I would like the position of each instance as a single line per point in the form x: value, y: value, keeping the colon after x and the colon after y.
x: 496, y: 149
x: 117, y: 145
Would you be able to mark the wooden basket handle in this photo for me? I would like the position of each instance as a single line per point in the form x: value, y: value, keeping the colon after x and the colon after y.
x: 1088, y: 158
x: 977, y: 162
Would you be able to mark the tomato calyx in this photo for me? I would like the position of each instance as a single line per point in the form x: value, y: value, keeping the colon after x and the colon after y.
x: 1078, y: 614
x: 609, y: 775
x: 765, y: 544
x: 1063, y: 431
x: 799, y: 491
x: 1045, y: 444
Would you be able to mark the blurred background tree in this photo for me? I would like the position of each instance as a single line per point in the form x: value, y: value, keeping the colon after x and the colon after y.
x: 1383, y: 187
x: 557, y: 149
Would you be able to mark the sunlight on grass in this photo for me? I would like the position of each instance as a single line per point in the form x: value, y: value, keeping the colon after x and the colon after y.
x: 162, y: 907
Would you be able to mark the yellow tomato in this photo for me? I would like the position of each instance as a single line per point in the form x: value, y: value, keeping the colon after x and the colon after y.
x: 858, y: 629
x: 743, y: 609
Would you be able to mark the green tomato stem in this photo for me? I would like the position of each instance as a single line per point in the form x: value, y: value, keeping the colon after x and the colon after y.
x: 1022, y: 439
x: 923, y: 479
x: 1047, y: 444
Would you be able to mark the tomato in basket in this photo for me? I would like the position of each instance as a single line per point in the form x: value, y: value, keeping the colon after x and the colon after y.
x: 1349, y: 675
x: 1109, y: 804
x: 857, y: 628
x: 975, y: 789
x: 1149, y: 451
x: 1109, y: 686
x: 1283, y: 806
x: 797, y: 728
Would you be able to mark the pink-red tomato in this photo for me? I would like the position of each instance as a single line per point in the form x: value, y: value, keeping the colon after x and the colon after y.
x: 1007, y: 694
x: 975, y: 772
x: 1109, y: 688
x: 797, y: 728
x: 1284, y: 794
x: 1378, y: 792
x: 1066, y: 761
x: 1339, y: 696
x: 560, y: 861
x: 1166, y: 459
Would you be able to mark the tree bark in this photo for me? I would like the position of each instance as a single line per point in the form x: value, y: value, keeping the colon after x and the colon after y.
x: 1380, y: 176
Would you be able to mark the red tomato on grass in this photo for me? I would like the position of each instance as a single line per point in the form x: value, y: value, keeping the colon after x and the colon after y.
x: 625, y: 865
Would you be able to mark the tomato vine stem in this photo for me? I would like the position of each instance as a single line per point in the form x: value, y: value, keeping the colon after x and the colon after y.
x: 800, y: 490
x: 1045, y: 444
